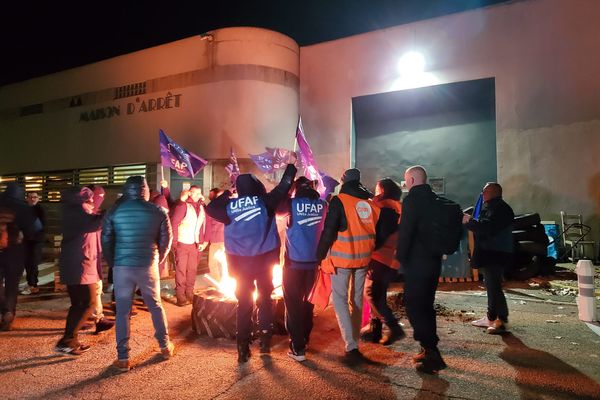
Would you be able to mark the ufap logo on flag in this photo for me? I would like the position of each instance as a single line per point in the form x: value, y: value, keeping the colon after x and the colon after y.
x: 172, y: 155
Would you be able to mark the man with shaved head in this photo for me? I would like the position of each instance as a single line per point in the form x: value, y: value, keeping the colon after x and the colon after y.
x: 421, y: 266
x: 493, y: 252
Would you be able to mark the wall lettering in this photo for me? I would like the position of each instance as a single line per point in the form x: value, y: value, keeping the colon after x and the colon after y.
x: 140, y: 105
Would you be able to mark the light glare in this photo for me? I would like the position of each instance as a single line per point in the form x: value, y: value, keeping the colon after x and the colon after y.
x: 411, y: 63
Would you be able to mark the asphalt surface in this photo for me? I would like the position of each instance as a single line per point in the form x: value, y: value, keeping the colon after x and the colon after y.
x: 537, y: 360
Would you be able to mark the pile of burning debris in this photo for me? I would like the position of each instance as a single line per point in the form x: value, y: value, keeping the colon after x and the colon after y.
x: 214, y: 308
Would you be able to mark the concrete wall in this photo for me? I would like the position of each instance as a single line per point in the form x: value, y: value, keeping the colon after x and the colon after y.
x: 463, y: 153
x: 238, y: 87
x: 544, y: 57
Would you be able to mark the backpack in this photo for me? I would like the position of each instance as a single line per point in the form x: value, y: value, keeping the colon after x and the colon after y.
x: 445, y: 226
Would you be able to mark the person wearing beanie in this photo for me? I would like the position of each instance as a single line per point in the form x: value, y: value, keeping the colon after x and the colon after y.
x: 136, y: 237
x: 344, y: 251
x: 350, y: 175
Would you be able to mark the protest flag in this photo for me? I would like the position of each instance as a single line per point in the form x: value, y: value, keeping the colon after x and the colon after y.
x: 172, y: 155
x: 311, y: 171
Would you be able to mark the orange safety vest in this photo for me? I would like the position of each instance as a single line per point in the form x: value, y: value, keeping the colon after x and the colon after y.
x: 386, y: 254
x: 354, y: 246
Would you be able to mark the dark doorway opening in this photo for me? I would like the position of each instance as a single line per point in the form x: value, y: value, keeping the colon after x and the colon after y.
x: 449, y: 129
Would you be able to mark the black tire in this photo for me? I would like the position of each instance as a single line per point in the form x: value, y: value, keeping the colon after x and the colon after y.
x: 532, y: 248
x: 548, y: 266
x: 278, y: 318
x: 525, y: 221
x: 535, y: 233
x: 214, y: 317
x: 526, y: 270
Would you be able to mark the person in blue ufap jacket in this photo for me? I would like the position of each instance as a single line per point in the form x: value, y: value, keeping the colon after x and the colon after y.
x: 252, y: 248
x: 306, y: 215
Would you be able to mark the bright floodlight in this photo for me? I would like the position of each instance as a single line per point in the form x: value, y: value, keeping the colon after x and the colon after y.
x: 411, y: 63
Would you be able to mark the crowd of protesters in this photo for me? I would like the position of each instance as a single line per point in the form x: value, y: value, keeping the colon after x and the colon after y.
x: 358, y: 239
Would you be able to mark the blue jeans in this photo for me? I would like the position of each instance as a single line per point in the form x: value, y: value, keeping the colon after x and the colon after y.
x: 126, y: 280
x: 347, y: 285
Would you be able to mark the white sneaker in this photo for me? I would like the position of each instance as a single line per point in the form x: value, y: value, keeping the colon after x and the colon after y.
x: 482, y: 323
x: 300, y: 356
x: 30, y: 290
x: 168, y: 351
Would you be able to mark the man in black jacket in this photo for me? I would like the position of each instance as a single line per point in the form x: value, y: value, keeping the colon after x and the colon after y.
x: 34, y: 245
x: 136, y: 237
x: 421, y: 268
x: 493, y: 252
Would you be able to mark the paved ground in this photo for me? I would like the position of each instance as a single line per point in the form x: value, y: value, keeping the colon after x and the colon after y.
x: 537, y: 360
x: 549, y: 354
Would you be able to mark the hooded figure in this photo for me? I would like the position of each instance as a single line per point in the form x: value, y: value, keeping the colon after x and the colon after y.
x: 252, y: 247
x: 305, y: 216
x: 136, y: 237
x: 17, y: 221
x: 79, y: 263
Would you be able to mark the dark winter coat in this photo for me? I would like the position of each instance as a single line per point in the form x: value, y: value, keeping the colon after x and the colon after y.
x: 12, y: 201
x: 413, y: 232
x: 79, y: 250
x: 493, y: 234
x: 40, y: 215
x: 135, y: 232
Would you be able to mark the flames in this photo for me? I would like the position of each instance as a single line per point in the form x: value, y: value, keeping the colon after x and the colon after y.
x: 226, y: 285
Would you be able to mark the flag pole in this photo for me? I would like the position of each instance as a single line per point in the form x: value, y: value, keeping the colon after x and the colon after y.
x: 162, y: 173
x: 296, y: 134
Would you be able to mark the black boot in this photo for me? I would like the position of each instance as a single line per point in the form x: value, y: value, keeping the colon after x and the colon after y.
x: 432, y: 363
x: 243, y: 348
x: 396, y: 333
x: 373, y: 335
x: 265, y: 342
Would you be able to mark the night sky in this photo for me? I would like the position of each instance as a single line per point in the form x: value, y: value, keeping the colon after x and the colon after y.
x: 43, y: 37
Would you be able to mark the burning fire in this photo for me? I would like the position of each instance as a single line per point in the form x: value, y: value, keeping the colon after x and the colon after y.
x: 227, y: 284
